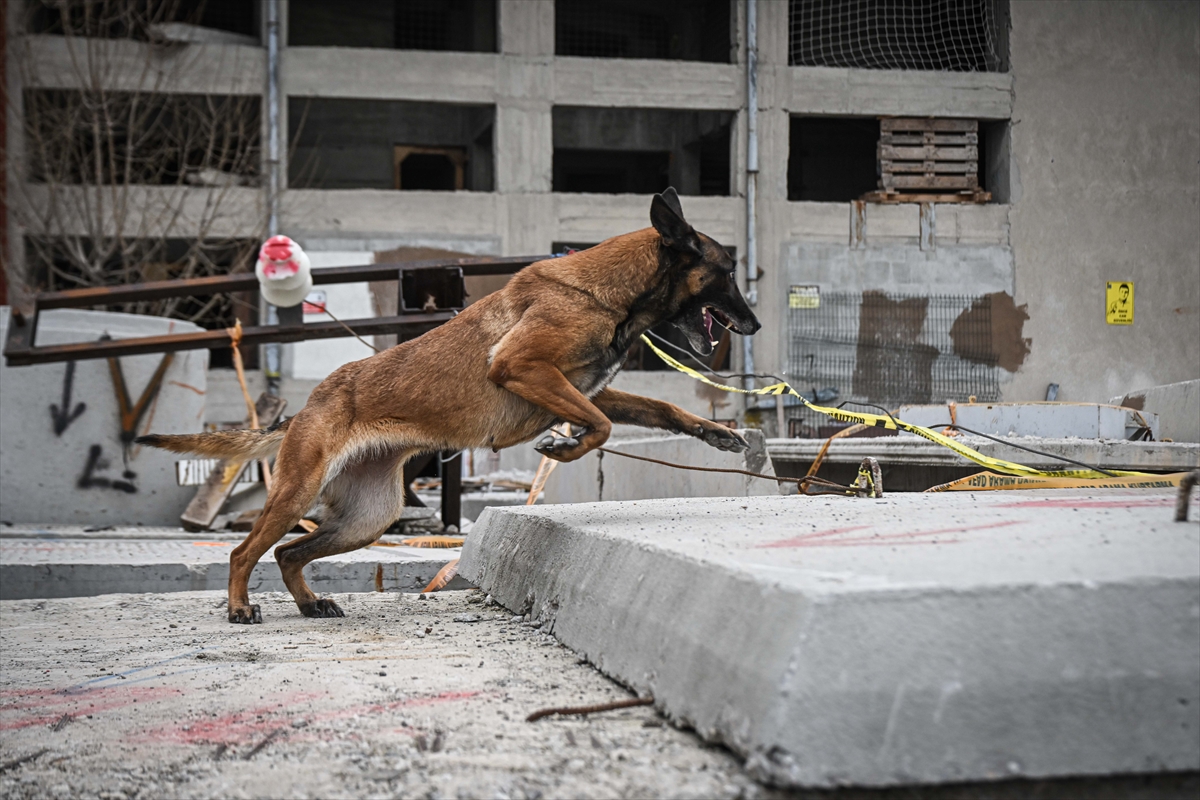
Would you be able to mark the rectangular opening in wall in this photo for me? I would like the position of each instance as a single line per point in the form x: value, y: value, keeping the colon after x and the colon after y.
x: 685, y: 30
x: 456, y: 25
x: 390, y: 144
x: 945, y: 35
x: 122, y: 138
x: 181, y: 21
x: 994, y: 159
x: 641, y: 150
x: 832, y: 159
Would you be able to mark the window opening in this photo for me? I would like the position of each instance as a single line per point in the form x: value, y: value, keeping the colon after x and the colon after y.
x: 140, y: 138
x: 344, y: 143
x: 832, y: 159
x: 141, y: 21
x: 641, y: 150
x: 687, y: 30
x: 945, y: 35
x: 898, y: 159
x: 454, y: 25
x: 430, y: 168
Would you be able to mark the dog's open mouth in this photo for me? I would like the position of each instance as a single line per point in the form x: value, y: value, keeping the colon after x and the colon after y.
x: 710, y: 314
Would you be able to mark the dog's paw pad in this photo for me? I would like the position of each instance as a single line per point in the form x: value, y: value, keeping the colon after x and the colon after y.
x: 320, y: 609
x: 246, y: 615
x: 552, y: 445
x: 725, y: 439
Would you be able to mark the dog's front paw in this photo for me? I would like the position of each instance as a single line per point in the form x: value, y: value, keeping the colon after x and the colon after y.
x: 722, y: 438
x: 321, y: 608
x: 552, y: 446
x: 245, y: 615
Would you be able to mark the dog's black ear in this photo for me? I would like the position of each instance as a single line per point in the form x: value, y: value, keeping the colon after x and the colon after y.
x: 666, y: 215
x: 671, y: 198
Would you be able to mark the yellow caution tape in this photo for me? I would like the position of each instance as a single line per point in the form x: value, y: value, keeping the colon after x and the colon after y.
x: 990, y: 481
x: 878, y: 421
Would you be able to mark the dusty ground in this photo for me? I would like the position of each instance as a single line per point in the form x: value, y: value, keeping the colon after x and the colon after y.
x: 157, y: 696
x: 153, y: 696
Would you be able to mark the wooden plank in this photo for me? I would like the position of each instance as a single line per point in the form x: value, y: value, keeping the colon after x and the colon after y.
x: 892, y: 167
x: 888, y: 152
x: 212, y: 496
x: 929, y: 181
x: 888, y: 124
x: 892, y: 197
x: 952, y: 139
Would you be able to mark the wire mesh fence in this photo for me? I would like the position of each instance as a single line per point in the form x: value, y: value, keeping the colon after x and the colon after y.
x: 886, y: 350
x: 946, y: 35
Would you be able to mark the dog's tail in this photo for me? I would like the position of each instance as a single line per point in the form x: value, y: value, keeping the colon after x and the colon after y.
x: 238, y: 444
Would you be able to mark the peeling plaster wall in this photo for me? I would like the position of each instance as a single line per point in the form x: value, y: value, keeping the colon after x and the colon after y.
x: 1106, y: 168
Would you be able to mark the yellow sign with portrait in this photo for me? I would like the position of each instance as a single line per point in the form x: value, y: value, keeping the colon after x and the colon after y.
x: 1118, y: 302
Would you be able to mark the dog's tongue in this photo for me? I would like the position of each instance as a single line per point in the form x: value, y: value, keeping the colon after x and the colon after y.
x: 708, y: 324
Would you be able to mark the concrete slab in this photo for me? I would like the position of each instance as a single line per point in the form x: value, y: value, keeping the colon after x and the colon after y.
x: 909, y: 450
x: 1048, y: 419
x: 916, y: 639
x: 65, y: 561
x: 157, y: 696
x: 1176, y: 404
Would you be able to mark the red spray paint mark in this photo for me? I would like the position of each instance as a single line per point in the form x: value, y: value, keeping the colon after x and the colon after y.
x: 1139, y: 502
x: 805, y: 539
x: 252, y: 724
x: 53, y: 703
x: 239, y: 726
x: 832, y: 538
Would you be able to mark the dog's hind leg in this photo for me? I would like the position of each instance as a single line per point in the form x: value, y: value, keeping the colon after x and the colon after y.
x: 299, y: 472
x: 360, y: 503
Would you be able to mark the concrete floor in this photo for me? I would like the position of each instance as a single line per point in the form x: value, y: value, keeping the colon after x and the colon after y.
x: 156, y: 696
x: 153, y: 696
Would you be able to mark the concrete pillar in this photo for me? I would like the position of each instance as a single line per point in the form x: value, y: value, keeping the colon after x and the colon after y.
x: 527, y: 27
x: 524, y: 142
x: 14, y: 150
x: 773, y: 150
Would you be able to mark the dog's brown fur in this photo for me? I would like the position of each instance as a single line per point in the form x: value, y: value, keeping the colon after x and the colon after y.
x: 538, y: 352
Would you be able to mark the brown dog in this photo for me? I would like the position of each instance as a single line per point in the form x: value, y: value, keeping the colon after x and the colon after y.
x: 537, y: 353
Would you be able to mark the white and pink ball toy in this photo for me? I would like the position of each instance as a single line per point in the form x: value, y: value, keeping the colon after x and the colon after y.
x: 284, y: 272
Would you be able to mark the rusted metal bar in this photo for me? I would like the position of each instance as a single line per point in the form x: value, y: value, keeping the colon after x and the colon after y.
x: 407, y: 326
x: 19, y: 349
x: 246, y: 282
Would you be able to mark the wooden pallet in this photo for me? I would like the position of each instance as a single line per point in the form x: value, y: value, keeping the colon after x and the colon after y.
x: 927, y: 155
x: 893, y: 196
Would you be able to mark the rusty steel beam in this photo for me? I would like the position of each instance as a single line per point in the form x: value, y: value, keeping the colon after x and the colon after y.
x: 407, y: 326
x: 246, y: 282
x: 19, y: 348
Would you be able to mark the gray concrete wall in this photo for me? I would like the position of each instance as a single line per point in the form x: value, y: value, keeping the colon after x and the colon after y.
x: 1106, y: 186
x: 82, y: 473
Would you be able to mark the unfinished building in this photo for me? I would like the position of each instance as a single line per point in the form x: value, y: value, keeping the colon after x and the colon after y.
x: 888, y: 263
